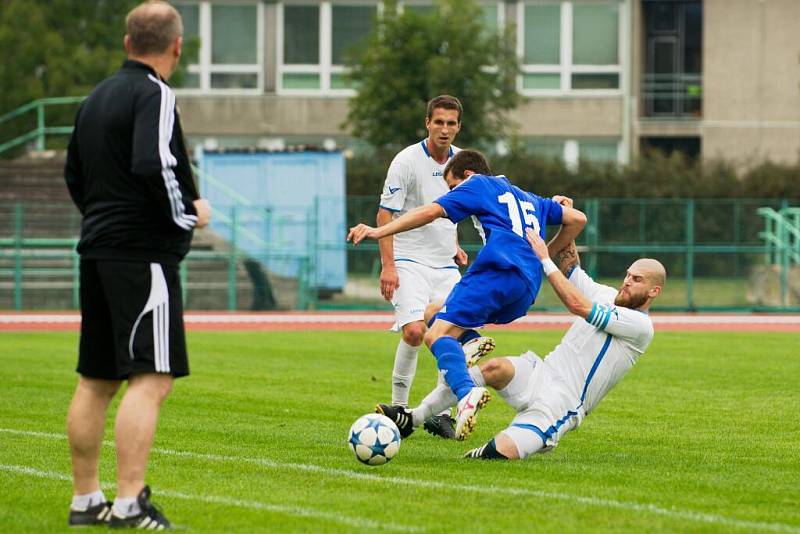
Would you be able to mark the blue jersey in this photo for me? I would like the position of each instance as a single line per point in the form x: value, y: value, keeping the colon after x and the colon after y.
x: 504, y: 211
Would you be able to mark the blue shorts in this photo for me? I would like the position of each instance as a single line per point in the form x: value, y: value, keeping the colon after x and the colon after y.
x: 484, y: 297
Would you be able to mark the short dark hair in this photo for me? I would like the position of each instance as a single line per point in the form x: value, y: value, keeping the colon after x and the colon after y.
x: 445, y: 102
x: 468, y: 160
x: 152, y: 26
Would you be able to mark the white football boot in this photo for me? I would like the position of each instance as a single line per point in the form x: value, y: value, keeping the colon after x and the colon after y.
x: 468, y: 409
x: 477, y: 348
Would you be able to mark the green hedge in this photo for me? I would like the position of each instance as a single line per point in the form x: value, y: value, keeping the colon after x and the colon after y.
x: 653, y: 176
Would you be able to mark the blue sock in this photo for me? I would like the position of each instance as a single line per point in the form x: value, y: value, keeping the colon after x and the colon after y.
x: 468, y: 336
x: 450, y: 358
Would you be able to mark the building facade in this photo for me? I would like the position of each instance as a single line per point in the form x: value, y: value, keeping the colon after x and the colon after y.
x: 601, y: 79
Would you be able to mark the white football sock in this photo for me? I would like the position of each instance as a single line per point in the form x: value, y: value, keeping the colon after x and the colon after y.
x: 81, y: 503
x: 126, y: 506
x: 477, y: 376
x: 440, y: 381
x: 405, y: 367
x: 437, y: 401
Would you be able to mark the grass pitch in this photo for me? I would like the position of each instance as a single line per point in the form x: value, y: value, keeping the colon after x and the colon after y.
x: 701, y: 436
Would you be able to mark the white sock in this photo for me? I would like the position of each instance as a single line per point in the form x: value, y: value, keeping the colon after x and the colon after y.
x: 440, y: 409
x: 126, y: 507
x: 477, y: 376
x: 437, y: 401
x: 81, y: 503
x: 405, y: 367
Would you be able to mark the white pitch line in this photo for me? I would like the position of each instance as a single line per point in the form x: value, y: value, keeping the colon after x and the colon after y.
x: 700, y: 517
x: 296, y: 511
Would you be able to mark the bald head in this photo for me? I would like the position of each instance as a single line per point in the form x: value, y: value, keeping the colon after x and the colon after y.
x: 152, y: 27
x: 652, y: 270
x: 643, y: 283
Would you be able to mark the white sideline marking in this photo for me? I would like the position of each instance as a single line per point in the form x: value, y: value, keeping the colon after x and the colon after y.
x: 297, y: 511
x: 359, y: 318
x: 700, y: 517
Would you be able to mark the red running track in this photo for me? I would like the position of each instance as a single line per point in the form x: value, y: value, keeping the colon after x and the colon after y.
x: 292, y: 321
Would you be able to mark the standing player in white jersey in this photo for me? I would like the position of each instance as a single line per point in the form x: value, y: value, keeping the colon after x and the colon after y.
x: 420, y: 266
x: 552, y: 396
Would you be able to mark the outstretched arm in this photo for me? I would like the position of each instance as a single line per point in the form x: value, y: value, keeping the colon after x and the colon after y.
x: 572, y: 298
x: 413, y: 219
x: 567, y: 259
x: 572, y: 224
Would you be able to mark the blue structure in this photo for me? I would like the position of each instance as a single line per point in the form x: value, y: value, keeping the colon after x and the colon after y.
x: 281, y: 208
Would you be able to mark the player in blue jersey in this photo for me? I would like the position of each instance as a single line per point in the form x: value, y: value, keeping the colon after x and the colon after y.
x: 504, y: 279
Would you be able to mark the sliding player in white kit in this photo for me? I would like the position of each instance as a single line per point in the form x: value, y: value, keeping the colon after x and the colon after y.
x: 420, y: 266
x: 552, y: 396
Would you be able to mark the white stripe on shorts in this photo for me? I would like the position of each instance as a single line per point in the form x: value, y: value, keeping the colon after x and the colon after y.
x: 158, y: 303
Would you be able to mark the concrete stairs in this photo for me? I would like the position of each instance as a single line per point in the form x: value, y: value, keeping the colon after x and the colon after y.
x: 49, y: 266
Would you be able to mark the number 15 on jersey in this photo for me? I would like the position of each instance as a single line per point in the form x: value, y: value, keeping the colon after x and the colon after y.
x: 514, y: 208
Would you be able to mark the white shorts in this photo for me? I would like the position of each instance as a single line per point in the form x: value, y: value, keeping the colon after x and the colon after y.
x: 545, y: 408
x: 419, y: 286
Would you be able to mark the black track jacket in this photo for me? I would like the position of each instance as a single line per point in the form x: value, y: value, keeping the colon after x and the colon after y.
x: 128, y: 172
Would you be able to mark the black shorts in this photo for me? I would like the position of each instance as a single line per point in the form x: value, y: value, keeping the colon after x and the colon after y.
x: 131, y: 320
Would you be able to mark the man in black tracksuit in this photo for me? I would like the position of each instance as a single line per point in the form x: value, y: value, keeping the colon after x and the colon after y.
x: 128, y: 172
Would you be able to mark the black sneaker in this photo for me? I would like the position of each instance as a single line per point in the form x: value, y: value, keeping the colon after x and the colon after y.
x: 150, y: 518
x: 401, y: 417
x: 99, y: 514
x: 441, y: 425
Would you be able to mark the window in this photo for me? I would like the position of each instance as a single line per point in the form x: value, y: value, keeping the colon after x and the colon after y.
x: 314, y: 40
x: 569, y: 46
x: 598, y: 150
x: 573, y: 151
x: 226, y: 61
x: 672, y: 82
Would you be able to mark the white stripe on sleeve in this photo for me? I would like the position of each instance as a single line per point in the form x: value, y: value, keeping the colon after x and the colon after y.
x: 166, y: 123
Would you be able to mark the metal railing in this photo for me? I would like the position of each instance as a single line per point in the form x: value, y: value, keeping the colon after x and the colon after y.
x: 672, y: 95
x: 40, y: 132
x: 19, y: 249
x: 711, y: 248
x: 782, y: 238
x: 47, y: 268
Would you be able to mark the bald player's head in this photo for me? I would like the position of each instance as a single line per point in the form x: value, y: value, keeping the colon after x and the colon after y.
x: 643, y: 283
x: 152, y: 27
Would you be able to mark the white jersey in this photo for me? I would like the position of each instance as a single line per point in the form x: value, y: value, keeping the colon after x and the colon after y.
x: 597, y: 352
x: 415, y: 179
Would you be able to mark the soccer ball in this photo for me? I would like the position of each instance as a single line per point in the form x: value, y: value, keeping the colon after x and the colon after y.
x: 374, y: 439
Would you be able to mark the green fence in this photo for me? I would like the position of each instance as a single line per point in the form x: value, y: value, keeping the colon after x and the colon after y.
x: 715, y: 251
x: 732, y: 255
x: 39, y: 266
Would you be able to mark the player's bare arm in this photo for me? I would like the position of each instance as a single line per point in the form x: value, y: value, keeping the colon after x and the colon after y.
x: 573, y: 299
x: 567, y: 259
x: 413, y: 219
x: 572, y: 223
x: 389, y: 280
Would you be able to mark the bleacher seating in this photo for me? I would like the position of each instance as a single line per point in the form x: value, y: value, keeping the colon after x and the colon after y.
x: 50, y: 224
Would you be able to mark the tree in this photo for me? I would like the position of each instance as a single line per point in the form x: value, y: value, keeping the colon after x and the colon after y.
x: 57, y: 48
x: 410, y: 58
